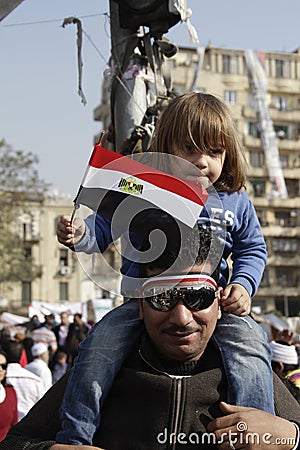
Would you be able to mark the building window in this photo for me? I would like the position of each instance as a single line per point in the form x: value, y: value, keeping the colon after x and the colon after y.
x: 63, y: 257
x: 281, y: 131
x: 282, y: 245
x: 285, y: 277
x: 230, y: 97
x: 296, y: 132
x: 280, y: 103
x: 284, y: 160
x: 258, y: 188
x: 265, y: 279
x: 257, y: 159
x: 288, y: 306
x: 262, y: 217
x: 286, y: 218
x: 283, y: 68
x: 230, y: 64
x: 27, y: 252
x: 105, y: 293
x: 295, y: 161
x: 26, y: 293
x: 251, y: 101
x: 27, y: 231
x: 292, y: 187
x: 253, y: 130
x: 63, y: 291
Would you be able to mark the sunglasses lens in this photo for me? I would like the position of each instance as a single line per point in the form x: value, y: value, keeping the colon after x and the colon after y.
x: 201, y: 299
x: 4, y: 366
x: 194, y: 299
x: 161, y: 303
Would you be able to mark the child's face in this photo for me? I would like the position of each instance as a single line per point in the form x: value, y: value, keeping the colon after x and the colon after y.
x: 207, y: 165
x: 62, y: 361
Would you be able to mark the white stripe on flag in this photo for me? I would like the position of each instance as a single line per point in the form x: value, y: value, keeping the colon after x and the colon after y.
x: 183, y: 209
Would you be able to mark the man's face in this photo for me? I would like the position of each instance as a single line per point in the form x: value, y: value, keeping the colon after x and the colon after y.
x: 180, y: 334
x: 64, y: 319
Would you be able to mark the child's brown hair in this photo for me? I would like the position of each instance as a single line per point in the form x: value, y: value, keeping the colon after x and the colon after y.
x: 203, y: 122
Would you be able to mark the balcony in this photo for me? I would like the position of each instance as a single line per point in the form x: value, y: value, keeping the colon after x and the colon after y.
x: 286, y: 85
x: 257, y: 172
x: 283, y: 116
x: 248, y: 112
x: 274, y: 230
x: 278, y: 291
x: 289, y: 144
x: 277, y: 260
x: 252, y: 142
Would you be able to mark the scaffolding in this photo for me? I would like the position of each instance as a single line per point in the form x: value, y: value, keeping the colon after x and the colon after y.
x: 258, y: 84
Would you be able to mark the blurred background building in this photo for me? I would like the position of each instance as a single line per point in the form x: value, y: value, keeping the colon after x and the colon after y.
x: 62, y: 277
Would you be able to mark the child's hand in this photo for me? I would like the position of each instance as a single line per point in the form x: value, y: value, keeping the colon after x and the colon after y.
x: 67, y: 233
x: 236, y: 300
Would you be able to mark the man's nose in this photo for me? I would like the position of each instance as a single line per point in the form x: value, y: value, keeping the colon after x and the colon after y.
x: 180, y: 315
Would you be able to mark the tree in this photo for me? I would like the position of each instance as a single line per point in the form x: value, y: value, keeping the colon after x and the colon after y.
x: 21, y: 191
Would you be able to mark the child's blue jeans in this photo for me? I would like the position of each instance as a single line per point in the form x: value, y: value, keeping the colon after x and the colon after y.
x: 242, y: 342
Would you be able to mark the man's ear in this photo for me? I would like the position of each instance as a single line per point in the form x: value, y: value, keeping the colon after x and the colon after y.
x: 220, y: 290
x: 141, y: 309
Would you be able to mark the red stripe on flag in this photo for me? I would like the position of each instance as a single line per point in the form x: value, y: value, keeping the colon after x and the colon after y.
x: 102, y: 158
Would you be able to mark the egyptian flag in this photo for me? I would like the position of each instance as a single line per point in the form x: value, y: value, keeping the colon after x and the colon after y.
x: 124, y: 190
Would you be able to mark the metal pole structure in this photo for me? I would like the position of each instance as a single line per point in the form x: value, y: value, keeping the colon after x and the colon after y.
x: 286, y: 305
x: 285, y: 297
x: 128, y: 98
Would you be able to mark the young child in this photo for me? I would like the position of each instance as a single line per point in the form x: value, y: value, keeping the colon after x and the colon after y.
x: 197, y: 128
x: 60, y: 366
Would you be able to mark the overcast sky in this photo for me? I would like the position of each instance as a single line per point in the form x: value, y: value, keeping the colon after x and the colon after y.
x: 40, y: 108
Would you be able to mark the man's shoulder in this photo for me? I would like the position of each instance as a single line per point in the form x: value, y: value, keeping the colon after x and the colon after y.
x: 286, y: 405
x: 22, y: 373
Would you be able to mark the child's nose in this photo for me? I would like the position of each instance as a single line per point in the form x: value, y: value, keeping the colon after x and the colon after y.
x: 200, y: 161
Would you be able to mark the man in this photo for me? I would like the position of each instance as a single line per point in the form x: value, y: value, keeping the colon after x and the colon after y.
x: 39, y: 365
x: 28, y: 386
x: 61, y: 330
x: 76, y: 333
x: 170, y: 392
x: 45, y: 335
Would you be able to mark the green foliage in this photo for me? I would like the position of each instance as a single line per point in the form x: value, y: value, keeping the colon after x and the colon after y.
x: 19, y: 180
x: 21, y: 189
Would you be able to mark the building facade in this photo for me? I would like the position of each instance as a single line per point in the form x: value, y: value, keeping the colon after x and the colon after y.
x: 224, y: 73
x: 64, y: 276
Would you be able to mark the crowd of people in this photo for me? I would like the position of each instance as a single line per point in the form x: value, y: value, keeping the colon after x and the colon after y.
x: 181, y: 360
x: 33, y: 360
